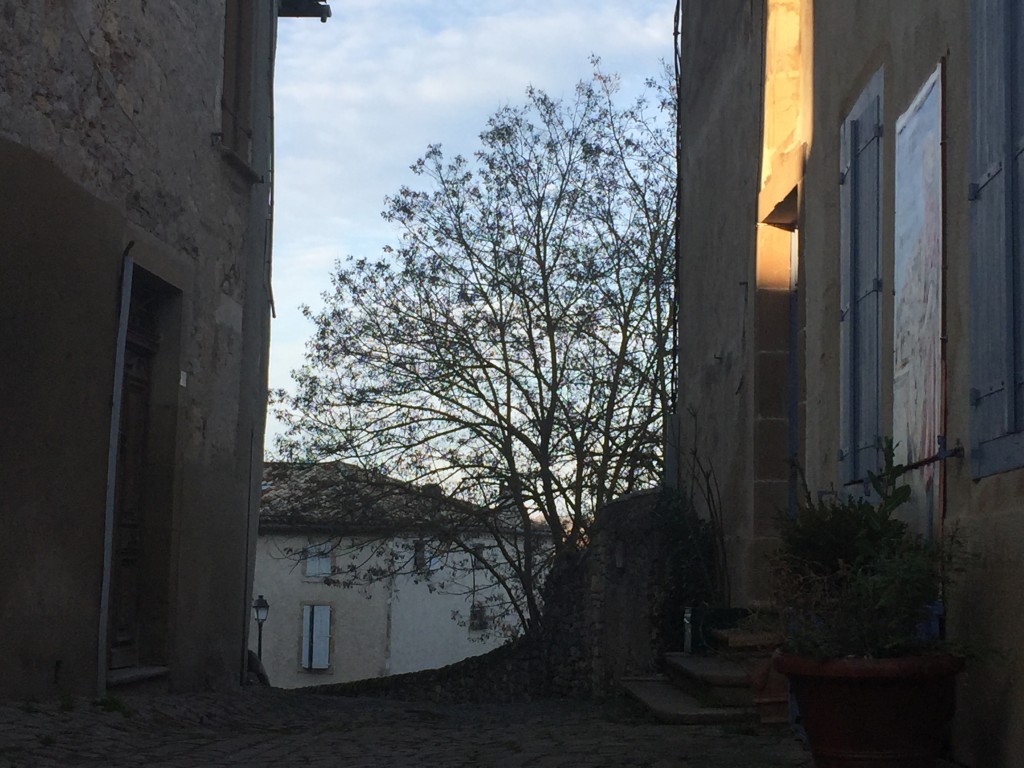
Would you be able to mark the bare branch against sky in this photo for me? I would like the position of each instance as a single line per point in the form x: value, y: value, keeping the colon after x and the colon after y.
x: 389, y: 79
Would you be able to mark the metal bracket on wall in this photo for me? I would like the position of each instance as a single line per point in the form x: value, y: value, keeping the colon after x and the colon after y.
x: 309, y: 9
x: 943, y: 453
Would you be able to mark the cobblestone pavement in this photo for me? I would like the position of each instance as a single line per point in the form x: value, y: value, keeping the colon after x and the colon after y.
x: 261, y: 727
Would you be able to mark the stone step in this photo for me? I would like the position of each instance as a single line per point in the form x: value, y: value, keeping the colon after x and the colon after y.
x: 669, y: 704
x: 745, y: 640
x: 712, y: 679
x: 140, y: 680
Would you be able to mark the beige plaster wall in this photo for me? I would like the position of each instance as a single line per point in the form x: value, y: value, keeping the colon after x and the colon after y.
x: 720, y: 170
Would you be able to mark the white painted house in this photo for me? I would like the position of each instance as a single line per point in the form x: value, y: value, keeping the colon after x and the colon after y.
x: 361, y: 583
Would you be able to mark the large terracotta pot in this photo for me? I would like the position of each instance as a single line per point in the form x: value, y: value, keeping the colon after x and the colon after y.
x: 874, y: 713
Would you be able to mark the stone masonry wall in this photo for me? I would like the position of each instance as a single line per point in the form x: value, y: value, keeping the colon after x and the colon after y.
x: 628, y: 582
x: 109, y: 117
x: 108, y: 91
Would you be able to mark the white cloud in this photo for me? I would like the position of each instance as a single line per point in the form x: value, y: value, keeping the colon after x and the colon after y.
x: 359, y: 99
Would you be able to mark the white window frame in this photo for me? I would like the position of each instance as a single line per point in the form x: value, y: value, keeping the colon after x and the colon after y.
x: 318, y: 560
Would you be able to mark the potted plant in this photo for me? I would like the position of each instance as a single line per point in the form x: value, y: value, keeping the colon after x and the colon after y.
x: 860, y: 596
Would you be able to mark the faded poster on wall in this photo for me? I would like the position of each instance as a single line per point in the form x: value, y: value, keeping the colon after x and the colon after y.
x: 917, y: 314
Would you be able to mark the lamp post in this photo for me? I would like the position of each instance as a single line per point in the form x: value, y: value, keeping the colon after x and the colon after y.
x: 260, y: 609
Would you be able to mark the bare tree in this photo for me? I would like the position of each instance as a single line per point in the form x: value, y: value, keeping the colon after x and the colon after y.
x: 512, y: 348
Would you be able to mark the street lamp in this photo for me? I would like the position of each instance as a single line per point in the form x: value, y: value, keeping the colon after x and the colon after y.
x: 260, y: 609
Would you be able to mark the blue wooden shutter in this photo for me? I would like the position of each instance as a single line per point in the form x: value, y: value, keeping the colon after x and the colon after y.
x: 997, y: 139
x: 860, y: 283
x: 307, y: 637
x: 316, y: 636
x: 1016, y: 85
x: 321, y: 636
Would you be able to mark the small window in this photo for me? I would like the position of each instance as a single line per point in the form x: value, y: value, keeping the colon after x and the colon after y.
x: 316, y: 637
x: 478, y: 557
x: 419, y: 557
x: 317, y: 559
x: 479, y: 618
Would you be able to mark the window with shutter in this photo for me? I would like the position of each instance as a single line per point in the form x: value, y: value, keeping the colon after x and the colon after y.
x: 318, y: 561
x: 420, y: 556
x: 860, y: 283
x: 479, y: 618
x: 996, y: 195
x: 479, y: 557
x: 316, y: 637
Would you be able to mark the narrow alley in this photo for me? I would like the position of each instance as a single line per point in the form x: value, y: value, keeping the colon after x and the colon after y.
x: 279, y: 728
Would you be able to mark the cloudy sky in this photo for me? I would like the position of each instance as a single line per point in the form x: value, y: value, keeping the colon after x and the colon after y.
x: 358, y: 100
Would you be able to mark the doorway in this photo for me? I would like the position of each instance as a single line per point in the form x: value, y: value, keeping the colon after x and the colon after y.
x: 140, y: 567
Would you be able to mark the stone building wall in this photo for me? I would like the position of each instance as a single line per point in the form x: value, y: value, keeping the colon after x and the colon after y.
x: 720, y: 121
x: 124, y: 98
x: 121, y: 207
x: 770, y: 104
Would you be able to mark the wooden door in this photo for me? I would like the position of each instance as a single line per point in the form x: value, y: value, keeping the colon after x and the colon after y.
x: 130, y: 494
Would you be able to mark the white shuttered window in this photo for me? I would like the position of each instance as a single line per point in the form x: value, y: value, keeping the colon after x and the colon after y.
x: 316, y: 636
x: 860, y: 283
x: 996, y: 195
x: 317, y: 558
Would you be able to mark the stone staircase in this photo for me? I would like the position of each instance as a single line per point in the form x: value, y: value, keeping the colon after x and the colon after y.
x: 732, y: 682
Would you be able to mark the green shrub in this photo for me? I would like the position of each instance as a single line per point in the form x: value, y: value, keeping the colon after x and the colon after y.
x: 853, y: 580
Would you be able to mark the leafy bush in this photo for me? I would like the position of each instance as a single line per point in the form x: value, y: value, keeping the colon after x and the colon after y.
x: 853, y: 580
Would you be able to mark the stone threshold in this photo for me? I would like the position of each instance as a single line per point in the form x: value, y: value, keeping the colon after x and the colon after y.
x: 129, y: 675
